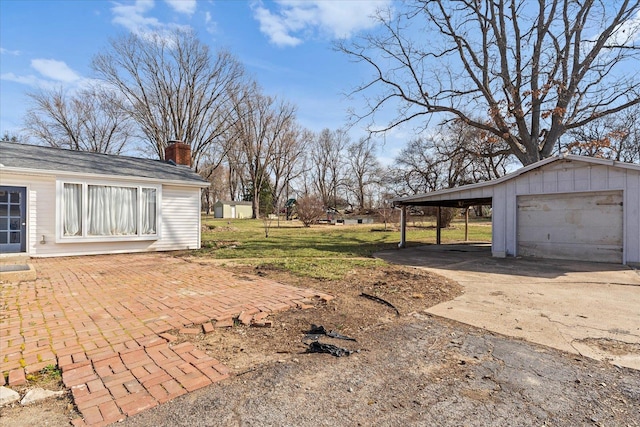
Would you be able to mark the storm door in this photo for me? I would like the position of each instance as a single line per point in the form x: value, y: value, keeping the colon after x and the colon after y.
x: 13, y: 224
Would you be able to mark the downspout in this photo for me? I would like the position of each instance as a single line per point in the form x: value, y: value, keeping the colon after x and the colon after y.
x: 403, y: 227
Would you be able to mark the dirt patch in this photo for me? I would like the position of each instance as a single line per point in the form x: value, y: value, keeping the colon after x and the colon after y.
x: 220, y: 244
x: 55, y: 411
x: 218, y: 228
x: 618, y: 348
x: 409, y: 290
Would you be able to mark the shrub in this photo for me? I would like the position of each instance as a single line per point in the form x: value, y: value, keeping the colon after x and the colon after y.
x: 310, y: 209
x: 446, y: 214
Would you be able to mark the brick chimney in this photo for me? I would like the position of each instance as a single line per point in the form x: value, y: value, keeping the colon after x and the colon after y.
x: 178, y: 152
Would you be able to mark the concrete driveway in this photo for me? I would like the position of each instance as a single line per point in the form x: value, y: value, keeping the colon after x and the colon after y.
x: 585, y: 308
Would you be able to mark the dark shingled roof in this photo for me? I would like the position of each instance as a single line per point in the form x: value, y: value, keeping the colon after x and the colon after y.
x: 56, y: 159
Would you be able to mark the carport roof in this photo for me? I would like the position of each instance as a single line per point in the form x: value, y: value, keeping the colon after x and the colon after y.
x: 482, y: 193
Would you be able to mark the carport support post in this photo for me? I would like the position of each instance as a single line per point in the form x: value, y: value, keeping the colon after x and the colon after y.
x: 466, y: 224
x: 438, y: 225
x: 403, y: 227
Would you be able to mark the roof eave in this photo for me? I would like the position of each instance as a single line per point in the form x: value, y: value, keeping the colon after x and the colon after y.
x: 40, y: 172
x: 570, y: 157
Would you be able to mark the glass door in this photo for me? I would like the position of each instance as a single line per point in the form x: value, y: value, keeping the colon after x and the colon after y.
x: 13, y: 224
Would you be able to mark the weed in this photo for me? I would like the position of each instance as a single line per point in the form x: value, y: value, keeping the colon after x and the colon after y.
x: 52, y: 372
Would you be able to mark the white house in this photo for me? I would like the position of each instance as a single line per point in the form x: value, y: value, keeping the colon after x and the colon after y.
x: 56, y: 202
x: 567, y: 207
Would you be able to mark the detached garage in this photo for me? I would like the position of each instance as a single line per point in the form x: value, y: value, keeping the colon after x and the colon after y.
x: 232, y: 209
x: 568, y: 207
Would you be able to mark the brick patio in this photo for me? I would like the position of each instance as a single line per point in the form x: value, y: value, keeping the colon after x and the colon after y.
x: 104, y: 320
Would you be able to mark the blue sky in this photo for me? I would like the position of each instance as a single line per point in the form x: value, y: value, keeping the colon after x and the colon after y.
x: 286, y: 45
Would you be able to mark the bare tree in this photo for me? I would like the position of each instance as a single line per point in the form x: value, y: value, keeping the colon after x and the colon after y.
x: 470, y: 155
x: 364, y: 170
x: 328, y: 163
x: 531, y: 70
x: 218, y: 188
x: 261, y: 125
x: 174, y: 88
x: 287, y: 161
x: 418, y: 168
x: 89, y: 120
x: 11, y: 137
x: 459, y: 154
x: 615, y: 137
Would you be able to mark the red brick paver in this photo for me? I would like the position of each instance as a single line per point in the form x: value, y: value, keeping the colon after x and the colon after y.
x: 104, y: 321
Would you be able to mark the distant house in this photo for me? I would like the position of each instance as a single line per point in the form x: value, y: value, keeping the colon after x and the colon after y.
x: 566, y: 207
x: 56, y: 202
x: 232, y: 210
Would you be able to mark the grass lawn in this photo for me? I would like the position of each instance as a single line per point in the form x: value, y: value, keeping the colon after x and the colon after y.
x: 320, y: 251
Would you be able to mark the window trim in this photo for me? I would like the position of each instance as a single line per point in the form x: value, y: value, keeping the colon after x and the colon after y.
x: 87, y: 238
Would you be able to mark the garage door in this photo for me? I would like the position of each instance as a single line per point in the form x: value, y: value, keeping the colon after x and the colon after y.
x: 583, y: 226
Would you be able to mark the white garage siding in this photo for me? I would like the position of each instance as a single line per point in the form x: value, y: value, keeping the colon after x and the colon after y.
x: 562, y: 178
x: 579, y: 226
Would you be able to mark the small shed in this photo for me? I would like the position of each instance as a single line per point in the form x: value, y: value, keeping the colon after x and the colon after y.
x: 565, y: 207
x: 232, y: 209
x: 57, y: 202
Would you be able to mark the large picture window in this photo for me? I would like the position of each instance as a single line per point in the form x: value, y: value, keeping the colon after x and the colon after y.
x: 108, y: 211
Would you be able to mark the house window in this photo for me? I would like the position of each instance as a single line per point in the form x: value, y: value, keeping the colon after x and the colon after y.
x: 99, y: 212
x: 112, y: 211
x: 148, y: 214
x: 72, y: 210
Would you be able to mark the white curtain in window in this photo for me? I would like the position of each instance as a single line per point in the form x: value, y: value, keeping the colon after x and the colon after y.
x: 72, y: 210
x: 112, y: 211
x: 148, y: 214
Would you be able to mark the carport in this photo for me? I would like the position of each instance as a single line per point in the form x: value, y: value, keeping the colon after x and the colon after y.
x: 565, y: 207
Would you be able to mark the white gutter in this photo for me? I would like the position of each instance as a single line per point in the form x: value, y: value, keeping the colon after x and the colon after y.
x: 58, y: 173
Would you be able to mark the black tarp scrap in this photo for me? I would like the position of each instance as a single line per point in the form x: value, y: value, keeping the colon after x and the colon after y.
x: 315, y: 346
x: 316, y: 331
x: 334, y: 350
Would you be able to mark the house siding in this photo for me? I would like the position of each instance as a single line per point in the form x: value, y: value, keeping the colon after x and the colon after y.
x: 179, y: 220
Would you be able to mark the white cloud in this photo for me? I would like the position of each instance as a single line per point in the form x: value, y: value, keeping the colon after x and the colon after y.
x: 292, y: 20
x: 55, y: 70
x: 4, y: 51
x: 183, y: 6
x: 209, y: 23
x: 29, y: 80
x: 627, y: 33
x: 275, y: 27
x: 51, y: 74
x: 131, y: 16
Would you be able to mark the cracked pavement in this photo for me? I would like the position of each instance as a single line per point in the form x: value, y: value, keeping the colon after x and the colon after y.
x: 419, y: 371
x: 586, y: 308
